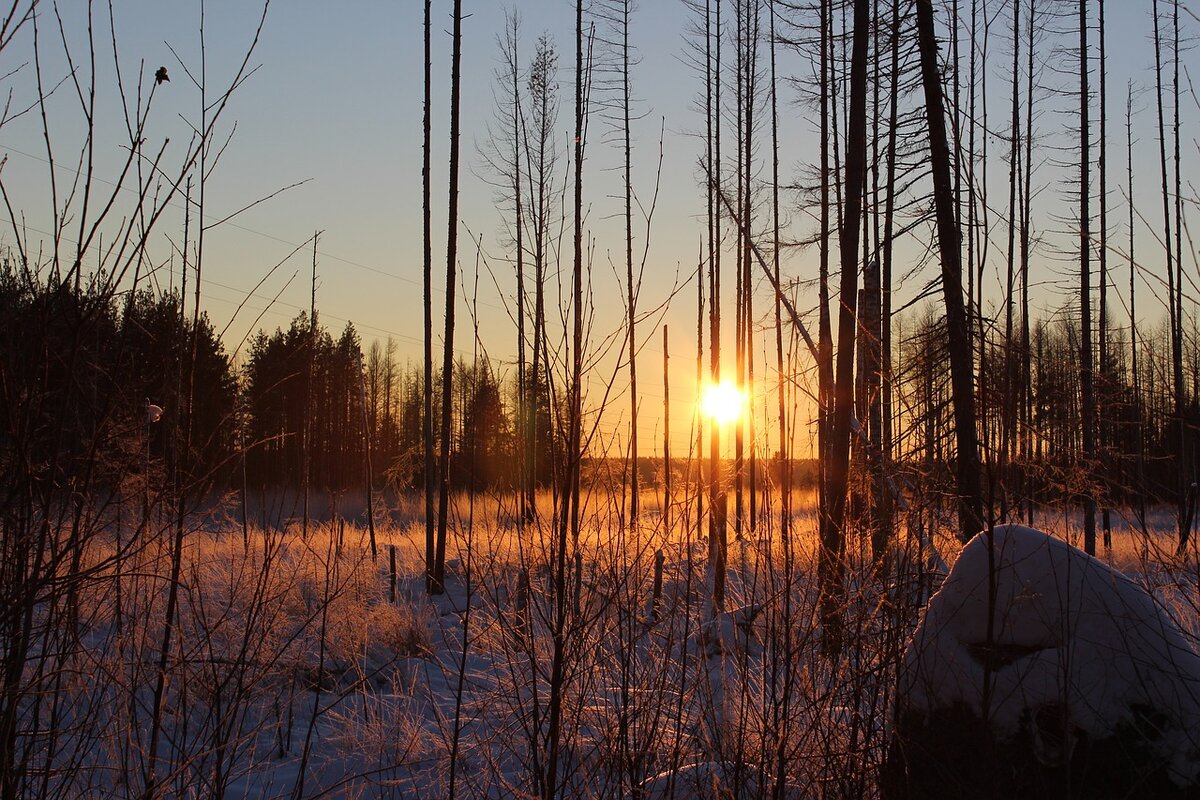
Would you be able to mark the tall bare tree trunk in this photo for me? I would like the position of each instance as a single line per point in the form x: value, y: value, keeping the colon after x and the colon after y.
x: 1009, y: 420
x: 784, y: 459
x: 1139, y: 486
x: 870, y: 320
x: 970, y: 504
x: 753, y: 19
x: 1107, y: 382
x: 568, y: 522
x: 666, y: 507
x: 439, y: 565
x: 957, y: 113
x: 368, y: 435
x: 1188, y: 493
x: 525, y: 496
x: 631, y: 286
x: 717, y: 544
x: 829, y: 534
x: 741, y: 172
x: 1026, y: 217
x: 1086, y: 365
x: 746, y: 420
x: 781, y: 697
x: 157, y: 708
x: 307, y: 424
x: 833, y: 543
x: 541, y: 161
x: 711, y: 210
x: 427, y: 388
x: 700, y: 371
x: 1176, y: 324
x: 889, y: 231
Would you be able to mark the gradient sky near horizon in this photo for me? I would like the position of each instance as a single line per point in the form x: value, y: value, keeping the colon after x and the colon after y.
x: 336, y: 102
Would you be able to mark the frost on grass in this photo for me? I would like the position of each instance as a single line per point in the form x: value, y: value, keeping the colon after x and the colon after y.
x: 1038, y: 668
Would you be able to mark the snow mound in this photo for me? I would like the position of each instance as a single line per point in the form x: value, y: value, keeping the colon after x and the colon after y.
x: 1073, y: 659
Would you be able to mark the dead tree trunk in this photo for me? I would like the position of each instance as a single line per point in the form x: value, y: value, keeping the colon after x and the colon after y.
x: 970, y: 505
x: 1106, y: 372
x: 717, y: 544
x: 631, y: 286
x: 427, y: 395
x: 568, y: 520
x: 833, y: 538
x: 784, y: 463
x: 439, y: 561
x: 1086, y: 367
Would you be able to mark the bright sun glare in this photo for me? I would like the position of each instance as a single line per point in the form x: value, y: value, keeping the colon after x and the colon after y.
x: 722, y: 401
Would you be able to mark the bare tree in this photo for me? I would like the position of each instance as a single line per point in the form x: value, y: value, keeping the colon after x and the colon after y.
x: 830, y: 535
x: 427, y: 251
x: 1026, y: 226
x: 1009, y: 422
x: 439, y: 565
x: 825, y: 334
x: 1188, y: 484
x: 1139, y: 486
x: 568, y: 518
x: 784, y: 464
x: 623, y: 13
x: 1174, y: 298
x: 717, y: 504
x: 1106, y: 376
x: 1086, y: 365
x: 541, y: 158
x: 833, y: 540
x: 970, y: 505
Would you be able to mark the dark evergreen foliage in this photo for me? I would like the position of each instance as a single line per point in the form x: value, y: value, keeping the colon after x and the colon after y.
x: 78, y: 370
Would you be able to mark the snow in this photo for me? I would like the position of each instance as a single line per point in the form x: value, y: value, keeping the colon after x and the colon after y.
x: 710, y: 780
x: 1067, y: 632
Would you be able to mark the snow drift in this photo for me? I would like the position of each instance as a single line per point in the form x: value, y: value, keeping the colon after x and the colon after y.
x: 1038, y: 668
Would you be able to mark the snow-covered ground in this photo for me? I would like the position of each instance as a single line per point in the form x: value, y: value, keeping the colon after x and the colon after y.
x: 296, y: 673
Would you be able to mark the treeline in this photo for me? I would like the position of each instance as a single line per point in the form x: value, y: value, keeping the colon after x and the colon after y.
x: 353, y: 412
x: 305, y: 401
x: 99, y: 366
x: 80, y: 371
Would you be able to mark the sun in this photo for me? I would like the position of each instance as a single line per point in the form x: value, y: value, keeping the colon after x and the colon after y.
x: 722, y: 401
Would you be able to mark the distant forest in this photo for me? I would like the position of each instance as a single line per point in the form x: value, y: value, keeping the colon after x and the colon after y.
x: 302, y: 399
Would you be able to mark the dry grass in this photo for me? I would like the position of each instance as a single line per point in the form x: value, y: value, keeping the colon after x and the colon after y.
x: 290, y: 624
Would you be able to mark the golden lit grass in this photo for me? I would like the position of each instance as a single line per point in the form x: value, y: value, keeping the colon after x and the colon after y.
x: 331, y: 568
x: 291, y: 613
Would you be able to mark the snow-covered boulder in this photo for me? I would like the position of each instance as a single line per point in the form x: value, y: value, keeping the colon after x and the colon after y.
x: 1039, y: 671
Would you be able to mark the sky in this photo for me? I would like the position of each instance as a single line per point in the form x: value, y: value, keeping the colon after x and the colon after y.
x: 334, y: 104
